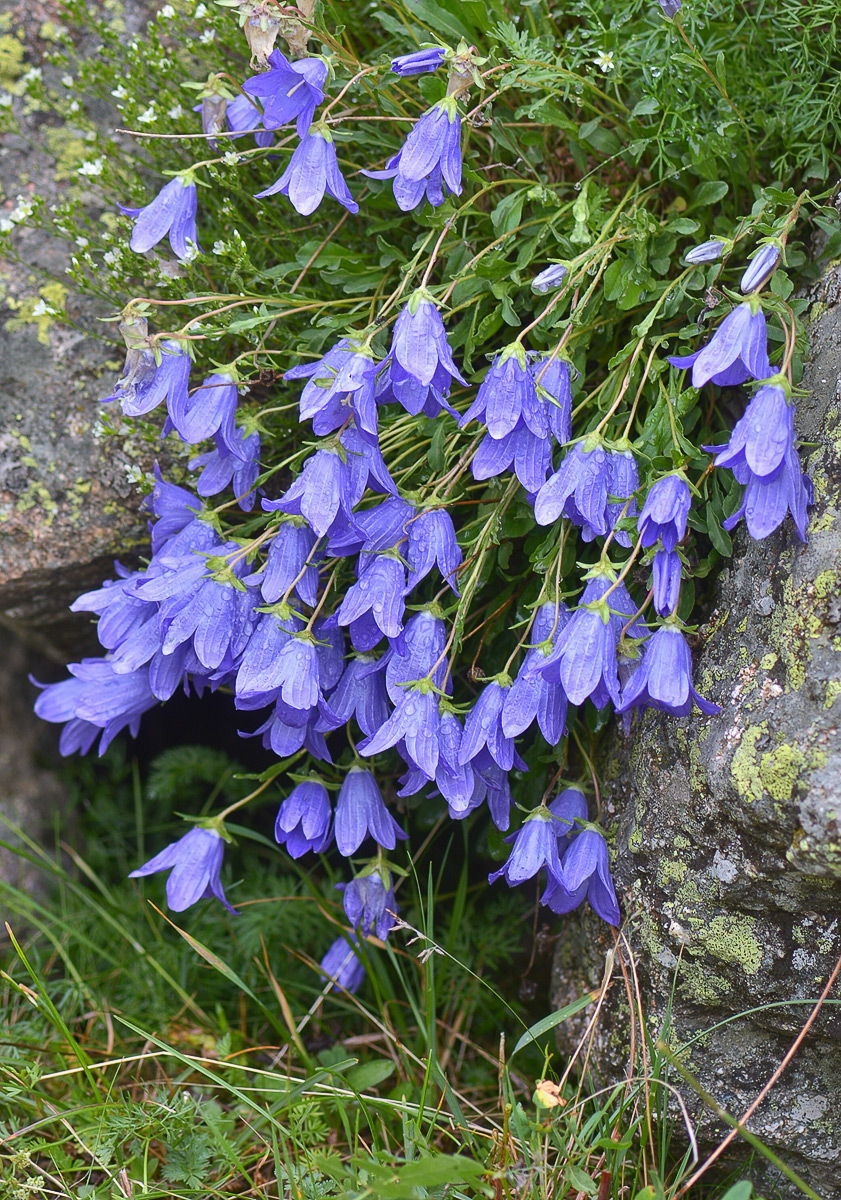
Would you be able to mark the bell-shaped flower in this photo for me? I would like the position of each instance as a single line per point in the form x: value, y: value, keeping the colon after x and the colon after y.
x: 550, y: 278
x: 286, y: 731
x: 532, y: 695
x: 670, y: 8
x: 665, y: 511
x: 568, y: 808
x: 763, y: 436
x: 419, y: 62
x: 369, y: 902
x: 96, y: 700
x: 173, y: 212
x: 173, y: 507
x: 622, y: 481
x: 342, y: 381
x: 381, y: 590
x: 767, y: 500
x: 665, y: 581
x: 506, y: 393
x: 529, y: 454
x: 313, y: 170
x: 578, y: 489
x: 706, y: 252
x: 420, y: 655
x: 145, y: 383
x: 762, y: 267
x: 304, y: 819
x: 415, y: 722
x: 210, y: 409
x: 553, y: 377
x: 535, y: 847
x: 737, y: 351
x: 234, y: 463
x: 360, y: 693
x: 361, y: 812
x: 243, y: 116
x: 419, y: 342
x: 289, y: 91
x: 195, y: 865
x: 429, y: 158
x: 290, y: 561
x: 432, y: 542
x: 341, y: 965
x: 483, y: 727
x: 664, y: 677
x: 585, y: 872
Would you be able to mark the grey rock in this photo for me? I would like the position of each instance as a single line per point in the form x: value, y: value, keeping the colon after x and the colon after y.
x: 728, y: 836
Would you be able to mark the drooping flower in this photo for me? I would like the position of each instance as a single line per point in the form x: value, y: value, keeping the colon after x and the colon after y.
x: 738, y: 350
x: 236, y: 461
x: 665, y: 573
x: 506, y: 393
x: 622, y: 481
x: 243, y: 116
x: 360, y: 692
x: 369, y: 902
x: 432, y: 541
x: 568, y: 808
x: 381, y: 590
x: 577, y: 490
x: 664, y: 677
x: 429, y: 158
x: 210, y: 409
x: 665, y: 511
x: 289, y: 91
x: 763, y: 436
x: 553, y: 377
x: 361, y: 812
x: 341, y: 965
x: 419, y: 62
x: 535, y: 847
x: 766, y: 501
x: 144, y: 383
x: 312, y: 170
x: 549, y: 278
x: 96, y: 700
x: 670, y: 8
x: 343, y: 381
x: 195, y: 865
x: 761, y: 269
x: 290, y: 560
x: 483, y: 728
x: 173, y: 212
x: 419, y: 350
x: 706, y: 252
x: 420, y: 655
x: 304, y: 819
x: 415, y: 723
x: 585, y: 871
x: 531, y: 695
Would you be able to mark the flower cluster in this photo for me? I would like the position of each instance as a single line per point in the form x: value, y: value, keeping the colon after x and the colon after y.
x: 335, y: 611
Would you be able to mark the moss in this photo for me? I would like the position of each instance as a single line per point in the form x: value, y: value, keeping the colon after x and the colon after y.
x: 833, y: 690
x: 671, y: 871
x: 745, y: 768
x: 780, y: 769
x: 700, y: 986
x: 11, y: 61
x: 731, y: 938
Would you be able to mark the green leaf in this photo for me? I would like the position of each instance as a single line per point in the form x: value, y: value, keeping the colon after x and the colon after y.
x: 368, y: 1074
x: 545, y: 1024
x: 507, y: 214
x: 649, y: 104
x: 719, y: 536
x: 743, y: 1190
x: 580, y: 1180
x: 709, y: 192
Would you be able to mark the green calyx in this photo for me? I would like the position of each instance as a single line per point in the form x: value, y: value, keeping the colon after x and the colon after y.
x: 416, y: 297
x: 513, y: 350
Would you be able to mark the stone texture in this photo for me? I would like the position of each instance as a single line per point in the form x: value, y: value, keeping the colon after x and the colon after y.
x: 728, y: 849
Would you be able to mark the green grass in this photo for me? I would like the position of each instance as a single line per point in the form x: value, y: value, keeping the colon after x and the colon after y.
x: 203, y: 1056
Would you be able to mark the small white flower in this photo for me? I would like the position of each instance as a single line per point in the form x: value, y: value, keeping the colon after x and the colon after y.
x: 147, y: 117
x: 220, y: 247
x: 67, y: 80
x: 92, y: 167
x: 201, y: 10
x: 73, y: 106
x: 134, y: 473
x: 604, y: 61
x: 31, y: 75
x: 230, y: 158
x: 41, y: 310
x: 21, y: 211
x: 175, y: 112
x: 110, y: 258
x: 6, y: 226
x: 5, y: 99
x: 167, y: 12
x: 119, y: 93
x: 82, y: 242
x: 207, y: 37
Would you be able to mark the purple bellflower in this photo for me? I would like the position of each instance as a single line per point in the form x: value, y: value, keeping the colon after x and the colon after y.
x: 706, y: 252
x: 535, y: 847
x: 483, y: 728
x: 243, y: 116
x: 549, y: 278
x: 360, y: 692
x: 142, y: 387
x: 287, y: 561
x: 553, y: 377
x: 289, y: 91
x: 342, y: 966
x: 585, y: 873
x: 670, y: 8
x: 173, y: 507
x: 665, y: 576
x: 235, y: 461
x: 577, y: 490
x: 506, y: 393
x: 381, y: 590
x: 763, y: 436
x: 96, y: 700
x: 420, y: 356
x: 421, y: 653
x: 583, y: 659
x: 622, y: 481
x: 532, y: 696
x: 195, y: 863
x: 260, y: 667
x: 432, y: 541
x: 369, y: 902
x: 173, y: 212
x: 343, y: 381
x: 419, y: 62
x: 312, y: 170
x: 429, y: 158
x: 361, y: 812
x: 568, y: 808
x: 766, y: 501
x: 664, y: 677
x: 665, y: 511
x: 737, y: 351
x: 304, y: 819
x: 762, y: 267
x: 415, y: 723
x: 210, y: 409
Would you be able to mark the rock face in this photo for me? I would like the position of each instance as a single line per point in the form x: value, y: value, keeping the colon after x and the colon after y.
x: 729, y: 833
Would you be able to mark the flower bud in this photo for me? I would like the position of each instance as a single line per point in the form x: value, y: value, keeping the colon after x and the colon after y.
x: 706, y: 252
x: 761, y: 268
x: 550, y: 277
